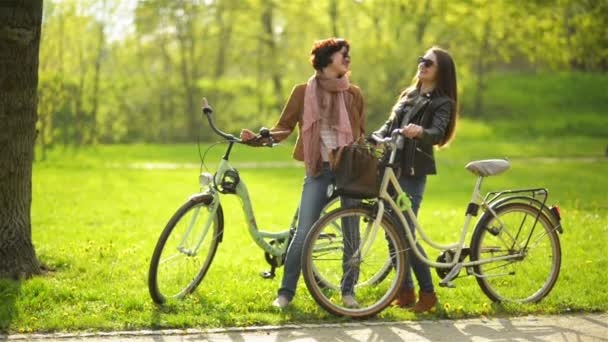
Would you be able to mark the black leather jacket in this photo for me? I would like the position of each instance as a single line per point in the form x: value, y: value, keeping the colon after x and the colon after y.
x: 431, y: 111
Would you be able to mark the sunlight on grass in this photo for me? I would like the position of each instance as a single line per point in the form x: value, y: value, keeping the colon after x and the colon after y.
x: 96, y: 226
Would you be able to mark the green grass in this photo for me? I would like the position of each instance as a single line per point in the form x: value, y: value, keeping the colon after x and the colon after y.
x: 549, y: 104
x: 96, y: 219
x: 97, y: 213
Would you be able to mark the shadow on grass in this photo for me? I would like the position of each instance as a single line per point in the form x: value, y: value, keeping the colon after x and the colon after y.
x: 9, y: 290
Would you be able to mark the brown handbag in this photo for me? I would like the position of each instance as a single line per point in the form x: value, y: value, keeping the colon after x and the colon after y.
x: 355, y: 167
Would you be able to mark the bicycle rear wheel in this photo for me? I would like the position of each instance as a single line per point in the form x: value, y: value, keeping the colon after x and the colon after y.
x: 185, y: 249
x: 527, y: 278
x: 345, y: 246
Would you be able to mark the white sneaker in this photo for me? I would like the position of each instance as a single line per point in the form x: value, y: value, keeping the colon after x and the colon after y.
x: 350, y: 301
x: 281, y: 302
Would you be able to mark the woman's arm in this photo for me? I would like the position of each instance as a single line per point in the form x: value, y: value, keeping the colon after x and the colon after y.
x: 385, y: 129
x: 441, y: 120
x: 290, y: 115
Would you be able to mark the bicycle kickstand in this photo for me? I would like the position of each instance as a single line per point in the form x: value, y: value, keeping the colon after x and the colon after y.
x: 447, y: 280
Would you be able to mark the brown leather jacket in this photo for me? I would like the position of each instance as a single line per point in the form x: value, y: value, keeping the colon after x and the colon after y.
x: 294, y: 108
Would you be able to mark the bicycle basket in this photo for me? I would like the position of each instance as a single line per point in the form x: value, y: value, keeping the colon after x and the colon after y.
x: 356, y: 170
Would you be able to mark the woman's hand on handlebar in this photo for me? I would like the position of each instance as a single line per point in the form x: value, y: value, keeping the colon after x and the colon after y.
x: 264, y: 138
x: 412, y: 131
x: 247, y: 135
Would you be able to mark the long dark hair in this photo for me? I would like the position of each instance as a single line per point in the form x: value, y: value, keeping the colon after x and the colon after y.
x: 446, y: 85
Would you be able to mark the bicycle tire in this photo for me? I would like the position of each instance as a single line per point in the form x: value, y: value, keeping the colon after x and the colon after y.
x: 525, y: 280
x: 377, y: 278
x: 323, y: 256
x: 168, y: 282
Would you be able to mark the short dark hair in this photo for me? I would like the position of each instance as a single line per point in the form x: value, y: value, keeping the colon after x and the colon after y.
x: 320, y: 54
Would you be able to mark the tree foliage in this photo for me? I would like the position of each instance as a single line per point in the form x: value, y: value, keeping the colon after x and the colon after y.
x: 114, y: 72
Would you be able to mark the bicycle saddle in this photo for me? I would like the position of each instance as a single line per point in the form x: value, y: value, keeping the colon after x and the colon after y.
x: 489, y: 167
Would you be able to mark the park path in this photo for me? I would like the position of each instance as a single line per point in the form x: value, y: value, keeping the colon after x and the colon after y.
x: 580, y: 328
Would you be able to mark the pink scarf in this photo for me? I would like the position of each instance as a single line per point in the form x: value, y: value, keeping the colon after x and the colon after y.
x: 324, y: 97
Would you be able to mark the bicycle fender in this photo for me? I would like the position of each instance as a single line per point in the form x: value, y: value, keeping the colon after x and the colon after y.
x: 555, y: 221
x: 207, y: 198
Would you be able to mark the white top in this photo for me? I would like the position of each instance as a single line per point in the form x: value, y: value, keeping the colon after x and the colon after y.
x: 329, y: 139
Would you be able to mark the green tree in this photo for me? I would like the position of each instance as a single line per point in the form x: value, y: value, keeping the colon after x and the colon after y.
x: 245, y: 56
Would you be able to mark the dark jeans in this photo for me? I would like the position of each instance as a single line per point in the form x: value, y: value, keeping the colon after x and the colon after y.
x: 414, y: 186
x: 314, y: 198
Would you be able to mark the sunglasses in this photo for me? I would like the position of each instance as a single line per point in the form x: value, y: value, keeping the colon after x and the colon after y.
x: 345, y: 54
x: 426, y: 62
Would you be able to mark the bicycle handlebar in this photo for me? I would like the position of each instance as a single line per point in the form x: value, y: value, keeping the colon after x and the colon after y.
x: 396, y: 139
x: 264, y: 132
x: 207, y: 110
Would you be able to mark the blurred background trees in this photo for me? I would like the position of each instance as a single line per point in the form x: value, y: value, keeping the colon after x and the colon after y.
x: 116, y: 71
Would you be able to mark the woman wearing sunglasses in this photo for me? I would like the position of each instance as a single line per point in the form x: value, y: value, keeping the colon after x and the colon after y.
x: 329, y: 112
x: 426, y: 114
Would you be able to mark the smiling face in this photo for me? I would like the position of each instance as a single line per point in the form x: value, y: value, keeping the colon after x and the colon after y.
x: 340, y: 61
x: 427, y: 68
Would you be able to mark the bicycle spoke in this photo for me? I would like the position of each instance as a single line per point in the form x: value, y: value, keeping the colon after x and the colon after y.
x: 532, y: 272
x: 193, y: 232
x: 359, y: 263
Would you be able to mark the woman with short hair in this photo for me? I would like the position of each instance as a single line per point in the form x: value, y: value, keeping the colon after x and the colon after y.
x: 329, y: 112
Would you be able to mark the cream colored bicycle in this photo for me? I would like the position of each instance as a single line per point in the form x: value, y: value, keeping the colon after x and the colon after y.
x: 514, y: 252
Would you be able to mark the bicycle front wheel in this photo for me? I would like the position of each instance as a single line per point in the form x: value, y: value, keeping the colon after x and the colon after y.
x: 345, y: 246
x: 531, y: 275
x: 373, y: 279
x: 185, y: 249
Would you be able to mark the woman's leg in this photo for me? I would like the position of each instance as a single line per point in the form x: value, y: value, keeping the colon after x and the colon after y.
x: 351, y: 240
x: 314, y: 198
x: 414, y: 186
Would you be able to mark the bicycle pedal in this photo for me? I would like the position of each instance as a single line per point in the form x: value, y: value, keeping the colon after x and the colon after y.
x: 447, y: 284
x: 267, y: 274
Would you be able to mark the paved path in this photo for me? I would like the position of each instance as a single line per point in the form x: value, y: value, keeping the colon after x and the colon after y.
x: 588, y: 327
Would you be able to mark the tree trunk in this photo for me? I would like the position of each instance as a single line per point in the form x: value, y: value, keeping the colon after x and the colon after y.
x: 333, y: 16
x: 269, y: 40
x: 185, y: 40
x: 224, y: 24
x: 79, y: 114
x: 166, y: 104
x: 423, y: 22
x: 480, y: 68
x: 20, y: 23
x: 96, y: 80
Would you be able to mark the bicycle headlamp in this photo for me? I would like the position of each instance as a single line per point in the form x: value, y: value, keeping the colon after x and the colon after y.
x: 205, y: 179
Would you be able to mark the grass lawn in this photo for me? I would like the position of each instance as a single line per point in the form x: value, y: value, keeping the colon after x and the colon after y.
x: 97, y: 213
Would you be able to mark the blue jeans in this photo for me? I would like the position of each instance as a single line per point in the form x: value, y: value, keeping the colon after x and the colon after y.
x: 414, y: 188
x: 314, y: 198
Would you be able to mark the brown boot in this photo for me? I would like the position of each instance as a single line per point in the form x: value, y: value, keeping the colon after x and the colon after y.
x: 426, y: 302
x: 405, y: 298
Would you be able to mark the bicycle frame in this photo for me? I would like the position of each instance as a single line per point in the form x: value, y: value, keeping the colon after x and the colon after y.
x: 241, y: 191
x: 389, y: 178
